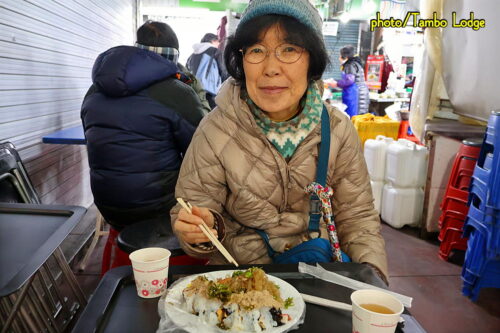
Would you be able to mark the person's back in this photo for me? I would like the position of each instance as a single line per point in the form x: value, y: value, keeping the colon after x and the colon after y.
x: 204, y: 64
x: 139, y: 118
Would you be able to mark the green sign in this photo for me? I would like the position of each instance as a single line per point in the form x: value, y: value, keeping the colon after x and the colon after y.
x: 216, y: 5
x: 357, y: 9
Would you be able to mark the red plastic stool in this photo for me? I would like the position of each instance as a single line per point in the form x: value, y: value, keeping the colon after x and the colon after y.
x: 463, y: 182
x: 449, y: 214
x: 463, y: 167
x: 454, y: 205
x: 466, y: 158
x: 452, y: 240
x: 454, y: 194
x: 470, y: 148
x: 458, y: 183
x: 113, y: 256
x: 450, y: 223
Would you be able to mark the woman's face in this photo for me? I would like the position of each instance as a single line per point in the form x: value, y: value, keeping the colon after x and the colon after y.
x: 276, y: 87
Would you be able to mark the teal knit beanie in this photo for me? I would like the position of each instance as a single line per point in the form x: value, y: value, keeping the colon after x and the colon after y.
x: 301, y: 10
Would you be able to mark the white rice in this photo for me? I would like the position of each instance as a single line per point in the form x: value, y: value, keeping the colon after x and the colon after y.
x: 257, y: 320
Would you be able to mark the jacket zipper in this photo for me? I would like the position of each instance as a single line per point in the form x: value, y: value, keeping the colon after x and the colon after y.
x: 285, y: 178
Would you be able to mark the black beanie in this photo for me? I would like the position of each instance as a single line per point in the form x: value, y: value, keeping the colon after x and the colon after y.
x: 154, y: 33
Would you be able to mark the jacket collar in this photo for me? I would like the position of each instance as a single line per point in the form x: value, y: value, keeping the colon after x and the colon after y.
x: 229, y: 102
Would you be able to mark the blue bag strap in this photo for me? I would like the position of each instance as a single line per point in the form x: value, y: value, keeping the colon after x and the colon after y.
x: 324, y: 149
x: 324, y: 152
x: 265, y: 238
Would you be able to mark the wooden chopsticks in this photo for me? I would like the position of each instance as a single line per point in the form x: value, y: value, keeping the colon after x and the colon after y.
x: 326, y: 302
x: 206, y: 230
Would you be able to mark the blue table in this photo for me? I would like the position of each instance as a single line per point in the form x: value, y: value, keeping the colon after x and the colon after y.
x: 69, y: 136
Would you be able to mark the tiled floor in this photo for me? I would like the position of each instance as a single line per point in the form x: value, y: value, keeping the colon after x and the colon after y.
x: 415, y: 270
x: 90, y: 277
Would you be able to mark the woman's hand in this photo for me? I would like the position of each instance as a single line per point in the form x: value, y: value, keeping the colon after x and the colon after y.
x: 187, y: 225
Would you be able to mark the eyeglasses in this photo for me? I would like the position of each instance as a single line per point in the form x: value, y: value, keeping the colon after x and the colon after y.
x: 286, y: 53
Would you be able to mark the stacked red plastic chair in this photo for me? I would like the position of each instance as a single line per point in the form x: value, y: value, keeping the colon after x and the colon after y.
x: 482, y: 260
x: 454, y: 205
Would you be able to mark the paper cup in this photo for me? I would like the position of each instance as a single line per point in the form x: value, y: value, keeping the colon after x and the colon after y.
x: 366, y: 321
x: 150, y: 267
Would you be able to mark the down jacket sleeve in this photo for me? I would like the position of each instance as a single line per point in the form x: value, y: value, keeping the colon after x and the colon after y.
x: 203, y: 184
x: 358, y: 223
x: 346, y: 81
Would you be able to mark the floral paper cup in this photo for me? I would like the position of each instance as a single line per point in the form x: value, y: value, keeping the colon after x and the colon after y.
x: 150, y: 267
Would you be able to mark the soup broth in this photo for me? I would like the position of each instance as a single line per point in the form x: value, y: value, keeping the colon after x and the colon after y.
x: 377, y: 308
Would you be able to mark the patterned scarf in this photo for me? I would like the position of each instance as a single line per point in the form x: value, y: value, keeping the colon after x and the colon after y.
x: 287, y: 135
x: 170, y: 53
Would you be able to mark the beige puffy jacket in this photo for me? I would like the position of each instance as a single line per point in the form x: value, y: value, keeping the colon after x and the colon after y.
x: 232, y: 169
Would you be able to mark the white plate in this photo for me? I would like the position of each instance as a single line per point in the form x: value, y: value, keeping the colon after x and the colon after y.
x: 193, y: 323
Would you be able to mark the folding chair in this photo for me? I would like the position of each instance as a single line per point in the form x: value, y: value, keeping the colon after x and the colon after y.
x: 8, y: 181
x: 52, y: 297
x: 21, y: 174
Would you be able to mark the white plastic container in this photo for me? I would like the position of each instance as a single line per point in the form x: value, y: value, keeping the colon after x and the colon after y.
x: 406, y: 164
x: 377, y: 188
x: 402, y: 206
x: 375, y: 156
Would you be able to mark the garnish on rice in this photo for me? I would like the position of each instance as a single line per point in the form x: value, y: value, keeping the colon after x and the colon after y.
x: 239, y: 302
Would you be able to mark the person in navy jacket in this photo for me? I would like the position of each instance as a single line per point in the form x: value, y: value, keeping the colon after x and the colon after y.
x: 139, y: 116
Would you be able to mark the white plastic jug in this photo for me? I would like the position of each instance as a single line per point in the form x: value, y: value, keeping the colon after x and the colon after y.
x: 377, y: 188
x: 402, y: 206
x: 406, y: 164
x: 375, y: 155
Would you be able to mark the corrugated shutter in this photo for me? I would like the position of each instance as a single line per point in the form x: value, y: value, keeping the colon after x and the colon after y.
x: 346, y: 34
x: 47, y: 49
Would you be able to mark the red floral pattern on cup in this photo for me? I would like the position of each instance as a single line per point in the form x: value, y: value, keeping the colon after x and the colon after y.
x: 148, y: 288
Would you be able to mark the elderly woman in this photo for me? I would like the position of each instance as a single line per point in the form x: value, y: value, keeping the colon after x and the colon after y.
x: 251, y: 158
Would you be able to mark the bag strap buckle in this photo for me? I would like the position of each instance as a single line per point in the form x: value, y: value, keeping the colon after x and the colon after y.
x: 314, y: 217
x: 315, y: 207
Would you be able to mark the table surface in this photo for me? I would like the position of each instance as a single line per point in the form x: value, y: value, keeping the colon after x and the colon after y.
x: 69, y: 136
x: 29, y: 234
x: 115, y: 306
x: 453, y: 128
